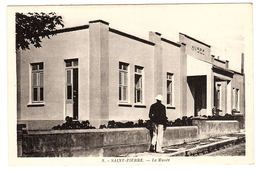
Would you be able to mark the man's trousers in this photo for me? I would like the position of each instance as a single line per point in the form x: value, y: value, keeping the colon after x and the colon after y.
x: 157, y: 139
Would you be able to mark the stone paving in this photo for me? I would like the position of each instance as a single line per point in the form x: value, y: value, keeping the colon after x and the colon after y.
x: 234, y: 150
x: 197, y: 147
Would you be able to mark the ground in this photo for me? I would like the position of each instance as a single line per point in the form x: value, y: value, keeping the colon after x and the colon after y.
x: 235, y: 150
x: 227, y: 145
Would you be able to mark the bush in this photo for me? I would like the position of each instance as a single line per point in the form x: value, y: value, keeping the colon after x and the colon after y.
x: 102, y: 126
x: 218, y: 117
x: 184, y: 121
x: 128, y: 124
x: 113, y: 124
x: 70, y: 124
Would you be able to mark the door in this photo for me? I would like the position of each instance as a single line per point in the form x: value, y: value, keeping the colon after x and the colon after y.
x: 71, y: 103
x: 198, y: 100
x: 75, y: 93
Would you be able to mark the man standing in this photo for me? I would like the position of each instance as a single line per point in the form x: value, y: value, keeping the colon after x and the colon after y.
x: 158, y: 118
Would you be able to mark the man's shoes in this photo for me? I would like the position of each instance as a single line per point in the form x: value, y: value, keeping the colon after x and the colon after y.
x: 161, y: 151
x: 152, y: 148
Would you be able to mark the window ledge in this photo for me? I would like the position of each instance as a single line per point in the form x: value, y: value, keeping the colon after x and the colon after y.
x: 139, y: 106
x: 124, y: 105
x: 35, y: 104
x: 171, y: 107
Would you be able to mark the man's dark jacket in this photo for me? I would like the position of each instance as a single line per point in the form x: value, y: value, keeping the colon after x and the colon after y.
x: 157, y: 113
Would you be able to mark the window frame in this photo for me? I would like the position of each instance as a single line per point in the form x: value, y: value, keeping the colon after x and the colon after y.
x: 142, y: 91
x: 236, y: 99
x: 39, y: 73
x: 219, y: 96
x: 123, y: 84
x: 171, y: 104
x: 74, y: 64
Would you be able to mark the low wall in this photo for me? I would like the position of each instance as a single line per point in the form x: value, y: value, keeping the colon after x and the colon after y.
x: 79, y: 143
x: 241, y: 119
x: 179, y: 135
x: 208, y: 128
x: 98, y: 142
x: 113, y: 142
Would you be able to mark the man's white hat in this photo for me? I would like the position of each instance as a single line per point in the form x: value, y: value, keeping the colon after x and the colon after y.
x: 159, y: 97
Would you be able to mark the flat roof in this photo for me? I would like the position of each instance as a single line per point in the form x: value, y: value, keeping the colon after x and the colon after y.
x: 70, y: 29
x: 222, y: 71
x: 239, y: 73
x: 131, y: 36
x: 171, y: 42
x: 195, y: 40
x: 221, y: 61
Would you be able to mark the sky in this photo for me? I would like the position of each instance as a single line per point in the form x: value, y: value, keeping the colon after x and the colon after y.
x: 226, y: 27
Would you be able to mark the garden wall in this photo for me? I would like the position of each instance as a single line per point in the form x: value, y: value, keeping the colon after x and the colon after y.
x: 208, y: 128
x: 112, y: 142
x: 179, y: 135
x: 85, y: 142
x: 97, y: 142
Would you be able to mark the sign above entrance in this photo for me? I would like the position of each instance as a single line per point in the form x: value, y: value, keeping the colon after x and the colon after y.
x: 198, y: 50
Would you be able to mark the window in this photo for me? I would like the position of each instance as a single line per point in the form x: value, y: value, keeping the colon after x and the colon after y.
x: 123, y: 82
x: 236, y: 96
x: 69, y: 84
x: 70, y: 65
x: 37, y: 82
x: 238, y: 100
x: 138, y: 84
x: 218, y: 92
x: 170, y: 78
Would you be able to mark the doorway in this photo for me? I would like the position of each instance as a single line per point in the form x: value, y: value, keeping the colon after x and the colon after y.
x: 72, y: 88
x: 198, y: 88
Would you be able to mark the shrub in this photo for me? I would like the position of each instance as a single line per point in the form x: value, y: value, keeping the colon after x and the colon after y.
x: 70, y: 124
x: 218, y: 117
x: 102, y: 126
x: 113, y: 124
x: 128, y: 124
x: 185, y: 121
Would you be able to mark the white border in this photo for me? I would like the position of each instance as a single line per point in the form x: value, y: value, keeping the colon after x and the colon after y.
x: 3, y: 89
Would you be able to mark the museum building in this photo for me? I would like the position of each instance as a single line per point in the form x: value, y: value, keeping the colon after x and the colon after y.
x: 97, y: 73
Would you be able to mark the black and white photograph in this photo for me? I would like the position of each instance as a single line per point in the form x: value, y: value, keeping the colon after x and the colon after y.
x: 132, y: 83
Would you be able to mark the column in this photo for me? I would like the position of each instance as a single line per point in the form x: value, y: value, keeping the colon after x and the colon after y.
x: 224, y: 97
x: 183, y: 80
x: 210, y: 93
x: 155, y: 37
x: 229, y: 100
x: 99, y: 70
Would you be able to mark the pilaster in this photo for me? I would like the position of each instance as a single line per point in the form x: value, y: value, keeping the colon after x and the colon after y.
x: 99, y: 69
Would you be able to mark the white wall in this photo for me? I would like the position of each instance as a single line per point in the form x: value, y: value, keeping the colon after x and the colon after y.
x: 52, y: 53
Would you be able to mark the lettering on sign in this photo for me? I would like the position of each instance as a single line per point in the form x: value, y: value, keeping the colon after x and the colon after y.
x: 198, y: 50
